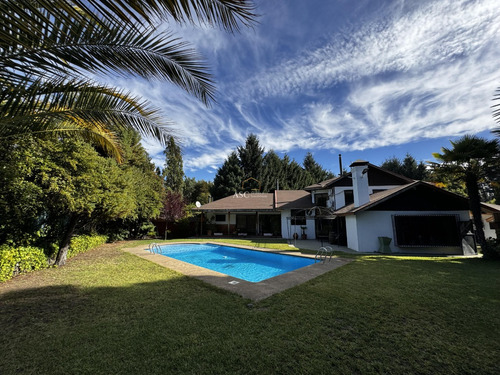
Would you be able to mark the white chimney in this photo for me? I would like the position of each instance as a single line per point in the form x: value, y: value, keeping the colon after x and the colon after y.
x: 359, y: 170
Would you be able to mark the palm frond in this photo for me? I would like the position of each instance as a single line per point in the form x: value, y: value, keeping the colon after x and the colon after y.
x: 95, y: 111
x: 61, y: 49
x: 229, y: 14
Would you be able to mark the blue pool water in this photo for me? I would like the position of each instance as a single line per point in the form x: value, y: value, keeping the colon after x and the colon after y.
x: 249, y: 265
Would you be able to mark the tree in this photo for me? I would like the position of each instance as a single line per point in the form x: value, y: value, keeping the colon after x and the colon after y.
x: 51, y: 189
x: 50, y: 47
x: 229, y: 178
x: 314, y: 172
x: 272, y: 172
x: 173, y: 172
x: 250, y: 157
x: 496, y: 112
x: 469, y: 158
x: 197, y: 191
x: 408, y: 167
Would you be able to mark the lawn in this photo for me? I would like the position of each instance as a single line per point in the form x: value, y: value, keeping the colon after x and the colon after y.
x: 109, y: 312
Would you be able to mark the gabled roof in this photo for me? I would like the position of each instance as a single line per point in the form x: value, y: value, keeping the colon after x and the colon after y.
x: 376, y: 176
x: 286, y: 199
x: 379, y: 198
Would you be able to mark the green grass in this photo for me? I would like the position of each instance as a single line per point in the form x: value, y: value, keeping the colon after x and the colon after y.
x: 109, y: 312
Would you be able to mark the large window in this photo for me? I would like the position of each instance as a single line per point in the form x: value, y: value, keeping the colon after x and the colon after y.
x: 298, y: 217
x: 430, y: 230
x: 321, y: 199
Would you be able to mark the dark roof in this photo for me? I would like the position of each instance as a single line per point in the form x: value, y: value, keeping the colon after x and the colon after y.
x: 376, y: 177
x: 378, y: 199
x: 286, y: 199
x: 490, y: 208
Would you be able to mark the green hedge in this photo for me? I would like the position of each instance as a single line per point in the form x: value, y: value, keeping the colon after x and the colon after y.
x: 16, y: 260
x: 81, y: 244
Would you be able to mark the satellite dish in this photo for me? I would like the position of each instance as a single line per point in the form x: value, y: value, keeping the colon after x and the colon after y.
x: 198, y: 204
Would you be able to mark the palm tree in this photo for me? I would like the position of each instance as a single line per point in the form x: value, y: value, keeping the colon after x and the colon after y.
x: 469, y: 159
x: 496, y: 112
x: 49, y: 47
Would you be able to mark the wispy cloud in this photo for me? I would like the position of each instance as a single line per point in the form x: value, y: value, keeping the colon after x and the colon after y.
x: 406, y: 72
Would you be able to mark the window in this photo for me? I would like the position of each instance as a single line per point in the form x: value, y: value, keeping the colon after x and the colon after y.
x: 298, y: 217
x: 426, y: 230
x: 220, y: 217
x: 321, y: 199
x: 348, y: 197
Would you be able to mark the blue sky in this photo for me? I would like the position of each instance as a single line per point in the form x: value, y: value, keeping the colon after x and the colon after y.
x: 368, y: 79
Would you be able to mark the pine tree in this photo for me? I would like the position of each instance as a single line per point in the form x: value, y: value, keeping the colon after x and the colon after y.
x: 229, y: 177
x: 173, y: 172
x: 408, y: 167
x: 250, y: 158
x: 272, y: 171
x: 314, y: 172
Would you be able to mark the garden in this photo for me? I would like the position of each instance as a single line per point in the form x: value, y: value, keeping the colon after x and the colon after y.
x: 107, y: 311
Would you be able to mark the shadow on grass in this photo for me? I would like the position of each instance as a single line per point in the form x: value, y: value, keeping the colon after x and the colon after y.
x: 349, y: 321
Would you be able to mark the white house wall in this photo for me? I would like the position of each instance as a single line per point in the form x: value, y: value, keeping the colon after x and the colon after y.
x: 287, y: 230
x: 487, y: 231
x: 364, y: 229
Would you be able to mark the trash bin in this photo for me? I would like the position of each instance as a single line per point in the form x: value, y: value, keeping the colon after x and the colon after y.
x: 384, y: 243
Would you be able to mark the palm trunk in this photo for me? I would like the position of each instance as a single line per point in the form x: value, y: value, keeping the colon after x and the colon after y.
x: 63, y: 249
x: 475, y: 207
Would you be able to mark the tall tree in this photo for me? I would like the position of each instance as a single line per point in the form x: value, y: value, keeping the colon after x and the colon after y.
x: 50, y: 47
x: 272, y: 172
x: 229, y: 178
x: 173, y: 171
x: 250, y: 157
x: 314, y: 172
x: 408, y: 167
x: 468, y: 159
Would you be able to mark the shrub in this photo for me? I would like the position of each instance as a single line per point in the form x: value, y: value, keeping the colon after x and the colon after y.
x: 80, y: 244
x: 16, y: 260
x: 492, y: 249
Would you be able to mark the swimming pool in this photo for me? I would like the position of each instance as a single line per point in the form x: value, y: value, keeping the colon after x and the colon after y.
x: 249, y: 265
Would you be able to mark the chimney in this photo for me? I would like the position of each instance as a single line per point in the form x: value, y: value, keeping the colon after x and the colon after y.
x: 340, y: 165
x: 359, y: 170
x: 275, y: 199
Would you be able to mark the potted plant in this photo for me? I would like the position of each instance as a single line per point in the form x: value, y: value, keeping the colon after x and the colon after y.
x: 210, y: 225
x: 304, y: 235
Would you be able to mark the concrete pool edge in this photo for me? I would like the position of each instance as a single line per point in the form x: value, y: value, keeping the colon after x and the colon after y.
x: 246, y: 289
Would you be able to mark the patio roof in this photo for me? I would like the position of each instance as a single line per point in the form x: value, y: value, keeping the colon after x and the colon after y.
x: 285, y: 199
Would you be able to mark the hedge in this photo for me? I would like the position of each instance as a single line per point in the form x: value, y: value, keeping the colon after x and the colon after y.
x: 81, y: 244
x: 16, y: 260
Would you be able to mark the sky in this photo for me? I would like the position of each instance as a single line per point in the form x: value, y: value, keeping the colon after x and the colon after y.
x: 368, y: 79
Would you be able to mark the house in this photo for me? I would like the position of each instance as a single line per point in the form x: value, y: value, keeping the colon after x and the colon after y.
x: 491, y: 219
x: 281, y: 214
x: 369, y: 209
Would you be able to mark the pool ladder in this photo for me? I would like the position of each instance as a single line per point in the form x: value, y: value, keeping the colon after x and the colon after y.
x: 154, y: 248
x: 323, y: 253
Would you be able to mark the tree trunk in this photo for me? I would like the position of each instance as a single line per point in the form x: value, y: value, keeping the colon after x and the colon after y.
x: 63, y: 249
x: 475, y: 207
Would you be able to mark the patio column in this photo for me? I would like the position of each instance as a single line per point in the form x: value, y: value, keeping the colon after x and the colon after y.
x: 228, y: 221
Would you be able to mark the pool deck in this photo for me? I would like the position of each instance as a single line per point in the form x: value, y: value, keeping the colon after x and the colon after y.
x: 253, y: 291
